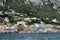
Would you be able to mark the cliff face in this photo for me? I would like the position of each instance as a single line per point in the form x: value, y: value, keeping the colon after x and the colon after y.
x: 38, y: 2
x: 35, y: 2
x: 58, y: 3
x: 1, y: 2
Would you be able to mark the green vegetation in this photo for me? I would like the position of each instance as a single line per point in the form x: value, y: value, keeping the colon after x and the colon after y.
x: 45, y: 11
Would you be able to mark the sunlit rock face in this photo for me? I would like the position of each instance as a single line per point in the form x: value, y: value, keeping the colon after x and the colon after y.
x: 41, y: 2
x: 58, y: 3
x: 36, y: 2
x: 1, y: 2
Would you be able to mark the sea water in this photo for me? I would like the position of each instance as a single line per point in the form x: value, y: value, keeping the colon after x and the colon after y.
x: 29, y: 36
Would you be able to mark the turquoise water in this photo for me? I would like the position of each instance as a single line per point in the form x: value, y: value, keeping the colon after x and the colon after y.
x: 29, y: 36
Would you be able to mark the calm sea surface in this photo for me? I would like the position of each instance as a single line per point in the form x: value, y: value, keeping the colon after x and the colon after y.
x: 29, y: 36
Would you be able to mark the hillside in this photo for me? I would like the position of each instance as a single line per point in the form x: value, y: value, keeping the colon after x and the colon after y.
x: 45, y: 11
